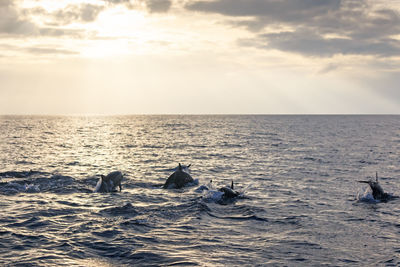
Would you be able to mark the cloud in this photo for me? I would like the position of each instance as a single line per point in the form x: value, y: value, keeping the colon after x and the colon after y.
x: 11, y: 22
x: 18, y: 23
x: 38, y: 50
x: 49, y: 51
x: 153, y: 6
x: 59, y: 32
x: 117, y: 1
x: 316, y: 28
x: 328, y: 68
x: 82, y: 13
x: 77, y: 13
x: 157, y: 6
x: 274, y: 10
x: 312, y: 44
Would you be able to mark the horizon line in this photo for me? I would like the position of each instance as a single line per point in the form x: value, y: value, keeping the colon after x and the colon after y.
x: 196, y: 114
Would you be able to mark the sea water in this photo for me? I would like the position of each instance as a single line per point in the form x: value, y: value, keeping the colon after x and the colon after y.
x: 300, y: 202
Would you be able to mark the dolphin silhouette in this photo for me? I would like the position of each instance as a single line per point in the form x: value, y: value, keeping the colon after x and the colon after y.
x: 229, y: 192
x: 179, y: 178
x: 377, y: 191
x: 109, y: 183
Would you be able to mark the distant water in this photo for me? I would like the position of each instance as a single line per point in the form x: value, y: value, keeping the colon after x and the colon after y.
x: 301, y: 204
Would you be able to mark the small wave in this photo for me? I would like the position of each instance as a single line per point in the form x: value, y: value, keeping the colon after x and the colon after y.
x: 107, y: 233
x: 201, y: 189
x: 349, y: 261
x: 55, y: 184
x: 367, y: 162
x: 229, y: 145
x: 143, y: 258
x: 24, y: 162
x: 20, y: 174
x: 14, y: 188
x: 135, y: 222
x: 32, y: 223
x: 366, y: 197
x: 126, y: 210
x: 240, y: 218
x: 130, y: 146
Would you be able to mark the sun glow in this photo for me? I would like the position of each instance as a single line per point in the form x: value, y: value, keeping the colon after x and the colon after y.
x: 120, y: 22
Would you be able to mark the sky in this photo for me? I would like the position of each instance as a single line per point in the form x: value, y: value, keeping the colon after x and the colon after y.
x: 199, y: 57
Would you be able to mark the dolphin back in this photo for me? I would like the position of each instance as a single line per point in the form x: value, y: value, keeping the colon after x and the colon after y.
x: 109, y: 183
x: 102, y: 186
x: 178, y: 179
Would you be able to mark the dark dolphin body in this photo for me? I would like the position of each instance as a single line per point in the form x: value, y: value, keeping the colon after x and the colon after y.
x: 109, y: 183
x: 377, y: 191
x: 229, y: 193
x: 178, y: 179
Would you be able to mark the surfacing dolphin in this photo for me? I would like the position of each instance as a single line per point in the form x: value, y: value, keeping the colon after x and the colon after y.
x: 377, y: 191
x: 185, y: 168
x: 179, y: 178
x: 109, y: 183
x: 229, y: 193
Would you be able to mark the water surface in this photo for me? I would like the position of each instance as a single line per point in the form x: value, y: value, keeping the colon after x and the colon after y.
x: 297, y: 173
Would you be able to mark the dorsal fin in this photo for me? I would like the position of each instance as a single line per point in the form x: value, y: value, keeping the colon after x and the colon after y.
x: 376, y: 175
x: 232, y: 185
x: 180, y: 167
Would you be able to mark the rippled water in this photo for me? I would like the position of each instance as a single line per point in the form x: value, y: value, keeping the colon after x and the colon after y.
x: 300, y: 205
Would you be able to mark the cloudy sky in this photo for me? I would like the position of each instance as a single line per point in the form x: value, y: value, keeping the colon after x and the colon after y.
x: 199, y: 56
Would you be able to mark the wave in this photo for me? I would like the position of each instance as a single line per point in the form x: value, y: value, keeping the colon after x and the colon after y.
x: 20, y: 174
x: 34, y: 182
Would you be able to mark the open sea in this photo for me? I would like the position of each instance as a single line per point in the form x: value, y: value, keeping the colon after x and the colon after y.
x: 300, y: 202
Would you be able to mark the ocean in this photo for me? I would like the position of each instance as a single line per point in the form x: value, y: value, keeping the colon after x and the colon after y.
x: 300, y: 202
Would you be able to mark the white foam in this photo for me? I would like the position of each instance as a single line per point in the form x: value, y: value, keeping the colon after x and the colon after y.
x: 366, y: 196
x: 212, y: 195
x: 201, y: 188
x: 31, y: 188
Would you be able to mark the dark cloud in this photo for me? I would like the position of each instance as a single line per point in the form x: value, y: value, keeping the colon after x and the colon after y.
x: 158, y: 5
x: 319, y: 28
x: 288, y: 10
x: 312, y: 44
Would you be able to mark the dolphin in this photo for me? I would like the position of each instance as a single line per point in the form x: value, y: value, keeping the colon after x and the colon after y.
x: 179, y: 178
x: 229, y: 193
x: 185, y: 168
x: 377, y: 191
x: 109, y: 183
